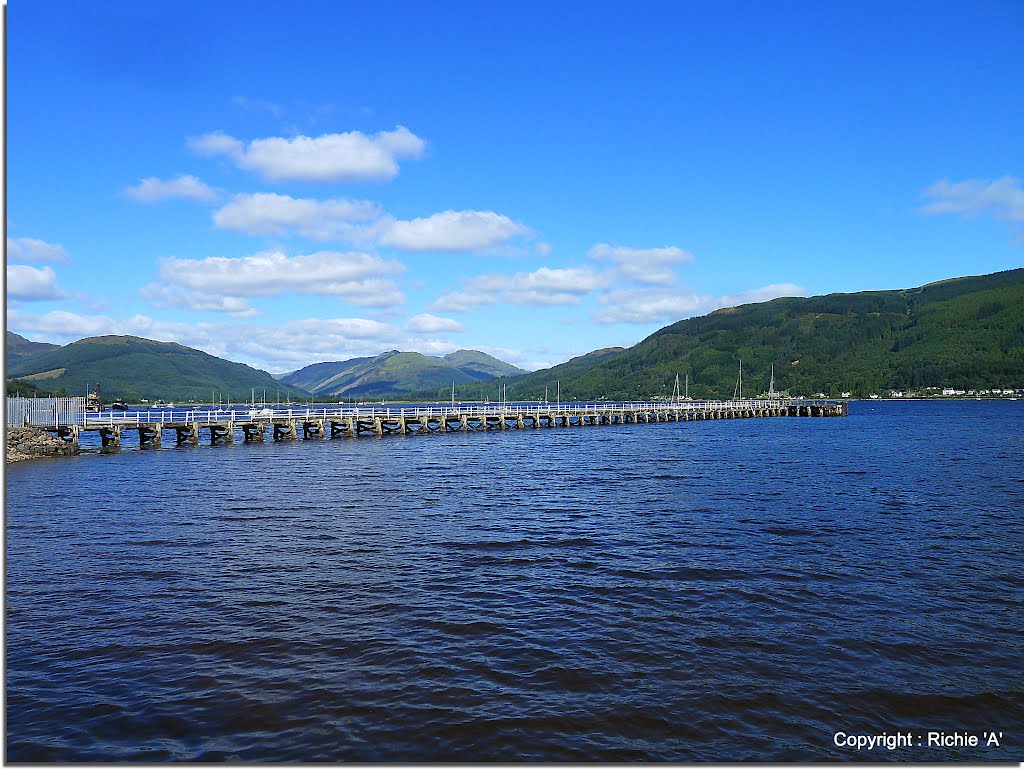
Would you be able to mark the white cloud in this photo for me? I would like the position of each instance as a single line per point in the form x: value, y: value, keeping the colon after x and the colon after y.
x: 354, y: 276
x: 152, y: 190
x: 645, y: 306
x: 462, y: 301
x: 163, y: 296
x: 272, y: 214
x: 294, y: 344
x: 650, y: 266
x: 34, y: 250
x: 641, y: 306
x: 31, y: 284
x: 429, y: 324
x: 61, y: 326
x: 451, y: 231
x: 543, y: 287
x: 1001, y: 198
x: 347, y: 157
x: 216, y: 143
x: 765, y: 293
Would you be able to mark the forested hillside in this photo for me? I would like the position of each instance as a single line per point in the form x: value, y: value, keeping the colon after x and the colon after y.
x: 963, y: 333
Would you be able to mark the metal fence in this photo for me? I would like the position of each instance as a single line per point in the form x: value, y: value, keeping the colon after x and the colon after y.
x: 22, y: 412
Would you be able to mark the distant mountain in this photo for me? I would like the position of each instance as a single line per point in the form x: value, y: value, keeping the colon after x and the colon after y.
x: 395, y: 373
x: 134, y: 368
x: 480, y: 365
x: 961, y: 333
x: 18, y: 348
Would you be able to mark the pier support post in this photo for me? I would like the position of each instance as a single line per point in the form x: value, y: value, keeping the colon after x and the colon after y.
x: 252, y: 432
x: 110, y: 438
x: 150, y: 435
x: 68, y: 433
x: 187, y: 434
x: 284, y: 431
x: 223, y: 433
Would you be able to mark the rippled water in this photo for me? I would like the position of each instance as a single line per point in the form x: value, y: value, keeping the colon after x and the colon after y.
x: 725, y: 590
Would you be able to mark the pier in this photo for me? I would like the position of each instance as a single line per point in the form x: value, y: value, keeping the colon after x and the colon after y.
x: 216, y: 427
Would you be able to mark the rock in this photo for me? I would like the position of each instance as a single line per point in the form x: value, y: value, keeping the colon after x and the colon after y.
x: 28, y: 443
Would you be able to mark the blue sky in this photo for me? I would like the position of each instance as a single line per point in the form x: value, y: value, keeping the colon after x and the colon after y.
x: 282, y: 185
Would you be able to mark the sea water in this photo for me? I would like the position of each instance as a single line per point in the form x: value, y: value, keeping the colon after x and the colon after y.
x: 761, y: 589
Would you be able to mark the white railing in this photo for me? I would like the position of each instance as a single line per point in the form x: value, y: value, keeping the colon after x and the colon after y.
x: 510, y: 410
x: 44, y: 412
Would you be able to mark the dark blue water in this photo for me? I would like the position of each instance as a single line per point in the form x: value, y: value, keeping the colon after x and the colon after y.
x: 726, y: 590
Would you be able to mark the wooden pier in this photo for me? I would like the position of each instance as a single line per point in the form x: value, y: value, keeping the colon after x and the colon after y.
x: 254, y: 425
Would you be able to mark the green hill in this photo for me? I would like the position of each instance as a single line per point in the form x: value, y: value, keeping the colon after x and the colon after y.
x: 395, y: 373
x: 961, y: 333
x: 134, y: 368
x: 18, y: 348
x: 480, y: 365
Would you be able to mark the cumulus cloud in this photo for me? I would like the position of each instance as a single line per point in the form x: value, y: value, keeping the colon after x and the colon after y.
x: 429, y: 324
x: 31, y: 284
x: 456, y: 301
x: 273, y: 214
x: 1000, y: 198
x: 354, y: 276
x: 663, y: 305
x: 348, y: 157
x: 765, y: 293
x: 61, y: 326
x: 641, y: 306
x: 163, y: 296
x: 217, y: 143
x: 451, y: 231
x: 649, y: 266
x: 543, y: 287
x: 151, y: 190
x: 34, y: 250
x: 223, y: 284
x: 294, y: 344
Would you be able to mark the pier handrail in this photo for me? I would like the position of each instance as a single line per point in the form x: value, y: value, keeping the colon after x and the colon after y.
x: 510, y: 410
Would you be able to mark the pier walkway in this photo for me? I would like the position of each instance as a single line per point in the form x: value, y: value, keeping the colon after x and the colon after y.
x: 255, y: 424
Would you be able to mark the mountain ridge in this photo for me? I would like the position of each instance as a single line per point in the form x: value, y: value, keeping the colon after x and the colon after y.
x: 134, y: 368
x: 961, y: 332
x: 965, y: 332
x: 394, y: 373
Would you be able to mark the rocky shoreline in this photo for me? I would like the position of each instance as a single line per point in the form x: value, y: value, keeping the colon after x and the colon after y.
x: 31, y: 443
